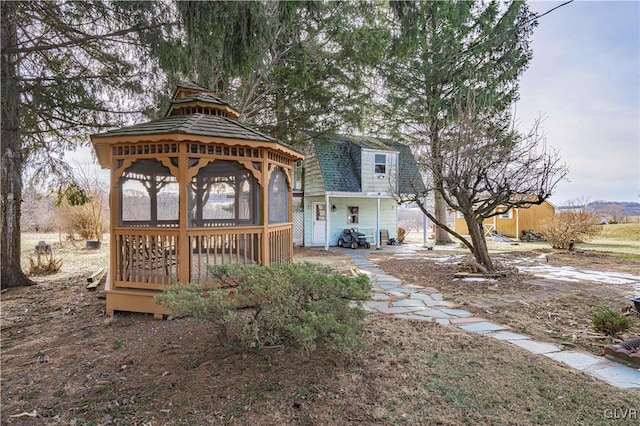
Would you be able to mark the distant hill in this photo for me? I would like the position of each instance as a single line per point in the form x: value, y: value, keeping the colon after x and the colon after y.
x: 626, y: 208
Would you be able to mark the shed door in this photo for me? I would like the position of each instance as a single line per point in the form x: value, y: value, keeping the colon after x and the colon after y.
x: 319, y: 221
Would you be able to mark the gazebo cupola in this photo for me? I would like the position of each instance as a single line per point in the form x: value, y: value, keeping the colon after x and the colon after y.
x: 191, y: 189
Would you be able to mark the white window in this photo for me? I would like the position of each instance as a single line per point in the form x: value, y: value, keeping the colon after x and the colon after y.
x: 381, y: 164
x: 506, y: 215
x: 297, y: 175
x: 460, y: 215
x: 320, y: 212
x: 352, y: 214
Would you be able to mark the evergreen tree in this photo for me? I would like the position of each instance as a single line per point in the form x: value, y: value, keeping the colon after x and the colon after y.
x: 441, y: 52
x: 286, y: 65
x: 65, y: 66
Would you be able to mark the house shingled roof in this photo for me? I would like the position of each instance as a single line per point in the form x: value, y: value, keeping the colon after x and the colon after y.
x: 340, y: 171
x: 340, y: 163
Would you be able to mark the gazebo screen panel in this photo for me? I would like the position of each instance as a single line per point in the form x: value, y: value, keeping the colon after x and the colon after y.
x: 148, y: 195
x: 278, y: 197
x: 223, y: 193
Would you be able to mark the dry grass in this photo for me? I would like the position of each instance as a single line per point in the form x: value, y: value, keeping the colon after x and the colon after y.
x: 620, y: 232
x: 72, y: 367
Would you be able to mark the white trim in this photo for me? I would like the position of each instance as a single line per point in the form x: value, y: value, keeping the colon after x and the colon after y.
x: 327, y: 223
x: 378, y: 225
x: 359, y: 194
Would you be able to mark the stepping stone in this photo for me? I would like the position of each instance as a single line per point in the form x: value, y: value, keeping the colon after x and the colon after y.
x: 386, y: 286
x: 412, y: 286
x: 420, y: 296
x: 428, y: 290
x: 616, y: 374
x: 457, y: 313
x: 437, y: 296
x: 394, y: 293
x: 574, y: 359
x: 413, y: 317
x: 376, y: 305
x: 398, y: 309
x: 435, y: 313
x: 380, y: 296
x: 408, y: 303
x: 508, y: 335
x: 481, y: 327
x: 439, y: 303
x: 384, y: 277
x: 442, y: 321
x: 402, y: 290
x: 469, y: 320
x: 535, y: 347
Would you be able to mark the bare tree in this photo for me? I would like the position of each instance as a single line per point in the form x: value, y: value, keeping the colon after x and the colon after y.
x: 613, y: 213
x: 484, y: 169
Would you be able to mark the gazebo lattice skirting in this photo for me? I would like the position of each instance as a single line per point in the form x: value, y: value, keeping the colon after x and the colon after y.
x: 192, y: 189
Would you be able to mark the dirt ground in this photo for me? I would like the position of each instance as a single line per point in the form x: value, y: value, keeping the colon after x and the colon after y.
x: 64, y: 362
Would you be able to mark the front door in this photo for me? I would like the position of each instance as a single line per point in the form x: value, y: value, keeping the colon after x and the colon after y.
x: 319, y: 223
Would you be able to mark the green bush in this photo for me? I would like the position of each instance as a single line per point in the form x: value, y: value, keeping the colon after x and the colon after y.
x: 259, y: 306
x: 610, y: 322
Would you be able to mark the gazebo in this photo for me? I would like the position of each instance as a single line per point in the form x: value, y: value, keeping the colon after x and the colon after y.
x: 191, y: 189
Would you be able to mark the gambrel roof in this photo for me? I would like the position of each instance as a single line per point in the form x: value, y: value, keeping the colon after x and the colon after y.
x: 340, y: 161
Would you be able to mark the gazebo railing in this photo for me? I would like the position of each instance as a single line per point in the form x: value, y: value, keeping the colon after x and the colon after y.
x: 280, y: 243
x: 145, y: 258
x: 150, y: 258
x: 215, y: 246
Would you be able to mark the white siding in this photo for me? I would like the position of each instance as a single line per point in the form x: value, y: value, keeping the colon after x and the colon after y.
x: 371, y: 182
x: 367, y: 216
x: 313, y: 183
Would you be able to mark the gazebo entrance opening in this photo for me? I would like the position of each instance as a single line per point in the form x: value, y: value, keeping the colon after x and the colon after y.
x: 223, y: 193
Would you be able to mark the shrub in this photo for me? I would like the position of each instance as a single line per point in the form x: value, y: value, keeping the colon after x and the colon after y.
x: 610, y: 322
x: 87, y: 220
x: 44, y: 264
x: 579, y: 226
x: 259, y: 306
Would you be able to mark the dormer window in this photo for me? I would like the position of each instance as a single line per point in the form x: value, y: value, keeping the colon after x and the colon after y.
x: 380, y: 164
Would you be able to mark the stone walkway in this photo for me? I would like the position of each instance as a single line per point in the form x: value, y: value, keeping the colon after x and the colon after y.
x: 392, y: 297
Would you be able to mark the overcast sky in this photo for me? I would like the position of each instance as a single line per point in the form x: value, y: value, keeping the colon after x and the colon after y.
x: 584, y: 79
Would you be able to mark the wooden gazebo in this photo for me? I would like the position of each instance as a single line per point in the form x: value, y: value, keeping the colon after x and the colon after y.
x: 193, y: 188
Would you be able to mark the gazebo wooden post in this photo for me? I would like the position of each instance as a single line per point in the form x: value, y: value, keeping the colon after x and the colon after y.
x: 290, y: 215
x: 114, y: 214
x: 264, y: 213
x: 184, y: 249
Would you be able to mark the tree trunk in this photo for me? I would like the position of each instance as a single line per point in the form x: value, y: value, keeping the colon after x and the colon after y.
x: 480, y: 250
x: 439, y: 205
x: 11, y: 274
x: 440, y: 210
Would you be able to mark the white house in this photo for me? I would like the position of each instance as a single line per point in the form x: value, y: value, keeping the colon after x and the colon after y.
x: 349, y: 182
